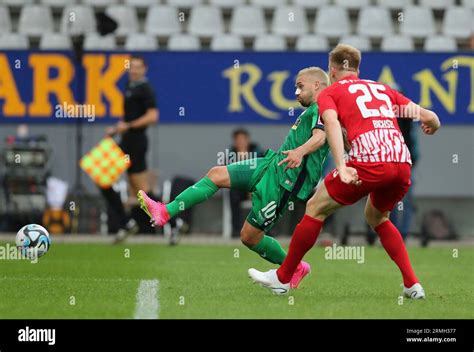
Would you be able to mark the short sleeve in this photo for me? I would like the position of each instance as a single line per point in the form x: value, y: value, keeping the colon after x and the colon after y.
x: 399, y: 98
x: 326, y: 102
x: 317, y: 121
x: 149, y: 100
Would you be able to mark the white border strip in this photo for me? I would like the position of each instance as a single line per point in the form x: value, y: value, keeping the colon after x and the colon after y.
x: 147, y: 300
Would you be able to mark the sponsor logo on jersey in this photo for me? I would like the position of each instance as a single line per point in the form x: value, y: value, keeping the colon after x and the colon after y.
x: 297, y: 123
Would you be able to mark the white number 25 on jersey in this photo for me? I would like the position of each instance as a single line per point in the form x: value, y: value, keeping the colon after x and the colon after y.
x: 368, y: 96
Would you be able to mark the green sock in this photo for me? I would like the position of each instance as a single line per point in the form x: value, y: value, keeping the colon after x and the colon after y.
x: 270, y: 249
x: 199, y: 192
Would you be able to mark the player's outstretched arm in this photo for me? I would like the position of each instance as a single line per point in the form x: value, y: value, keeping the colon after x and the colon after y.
x: 295, y: 157
x: 334, y: 136
x: 429, y: 120
x: 336, y: 143
x: 316, y: 141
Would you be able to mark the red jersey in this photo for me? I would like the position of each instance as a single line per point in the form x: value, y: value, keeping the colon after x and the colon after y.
x: 365, y: 110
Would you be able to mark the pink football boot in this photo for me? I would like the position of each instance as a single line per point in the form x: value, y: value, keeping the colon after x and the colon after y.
x: 302, y: 270
x: 156, y: 210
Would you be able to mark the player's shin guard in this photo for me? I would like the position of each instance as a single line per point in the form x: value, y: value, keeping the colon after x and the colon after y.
x: 395, y: 247
x: 303, y: 239
x: 197, y: 193
x: 270, y: 249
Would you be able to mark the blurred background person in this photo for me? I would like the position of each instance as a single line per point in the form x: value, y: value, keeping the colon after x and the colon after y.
x: 243, y: 148
x: 140, y: 111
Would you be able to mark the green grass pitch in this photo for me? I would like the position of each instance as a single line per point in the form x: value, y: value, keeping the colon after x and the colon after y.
x: 210, y: 281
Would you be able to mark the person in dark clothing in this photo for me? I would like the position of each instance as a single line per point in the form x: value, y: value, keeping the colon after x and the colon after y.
x: 244, y: 149
x: 140, y: 111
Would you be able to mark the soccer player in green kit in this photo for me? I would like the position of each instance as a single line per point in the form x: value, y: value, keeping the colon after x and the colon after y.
x: 274, y: 180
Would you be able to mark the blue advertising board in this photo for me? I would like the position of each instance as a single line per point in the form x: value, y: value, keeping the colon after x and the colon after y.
x: 210, y: 87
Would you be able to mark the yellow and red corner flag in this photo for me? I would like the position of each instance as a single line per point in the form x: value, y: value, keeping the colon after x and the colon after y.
x: 105, y: 163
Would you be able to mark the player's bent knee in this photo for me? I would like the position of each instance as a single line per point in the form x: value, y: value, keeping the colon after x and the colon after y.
x: 311, y: 205
x: 218, y: 175
x: 315, y: 209
x: 374, y: 220
x: 248, y: 239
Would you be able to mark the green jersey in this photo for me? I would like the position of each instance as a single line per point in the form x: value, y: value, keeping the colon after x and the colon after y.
x: 299, y: 134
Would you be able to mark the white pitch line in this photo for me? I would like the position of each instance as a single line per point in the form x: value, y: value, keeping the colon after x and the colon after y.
x: 147, y: 300
x: 67, y: 279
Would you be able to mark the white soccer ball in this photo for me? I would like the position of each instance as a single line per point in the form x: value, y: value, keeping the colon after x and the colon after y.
x: 33, y: 241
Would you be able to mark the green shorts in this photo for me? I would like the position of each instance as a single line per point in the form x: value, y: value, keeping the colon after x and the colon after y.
x: 259, y: 176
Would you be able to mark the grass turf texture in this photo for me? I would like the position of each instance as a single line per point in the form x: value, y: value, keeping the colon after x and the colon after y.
x: 213, y: 283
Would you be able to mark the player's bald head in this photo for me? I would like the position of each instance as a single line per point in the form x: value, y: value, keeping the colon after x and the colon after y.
x: 313, y: 74
x: 310, y: 82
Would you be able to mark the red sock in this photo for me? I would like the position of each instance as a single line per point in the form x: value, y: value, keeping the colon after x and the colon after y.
x: 302, y: 240
x: 393, y: 243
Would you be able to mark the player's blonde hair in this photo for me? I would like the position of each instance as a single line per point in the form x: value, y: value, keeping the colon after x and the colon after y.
x: 316, y: 72
x: 345, y: 57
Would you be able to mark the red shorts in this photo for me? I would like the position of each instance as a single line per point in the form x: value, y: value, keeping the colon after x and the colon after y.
x: 386, y: 183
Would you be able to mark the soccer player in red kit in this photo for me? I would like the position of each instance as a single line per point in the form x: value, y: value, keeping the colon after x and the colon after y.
x: 379, y: 165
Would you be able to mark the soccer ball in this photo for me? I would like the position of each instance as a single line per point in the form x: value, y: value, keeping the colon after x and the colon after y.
x: 33, y: 241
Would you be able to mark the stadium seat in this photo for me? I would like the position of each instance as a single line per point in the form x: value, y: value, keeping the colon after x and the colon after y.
x: 311, y: 4
x: 206, y: 21
x: 268, y: 3
x: 289, y: 21
x: 59, y: 3
x: 332, y: 21
x: 141, y: 42
x: 312, y: 43
x: 17, y: 3
x: 468, y: 3
x: 5, y: 22
x: 227, y: 42
x: 184, y: 3
x: 94, y: 41
x: 375, y: 22
x: 417, y: 22
x: 229, y: 4
x: 13, y: 41
x: 458, y: 22
x: 184, y: 42
x: 397, y: 43
x: 55, y: 41
x: 162, y: 20
x: 126, y: 18
x: 395, y: 4
x: 248, y: 21
x: 35, y: 20
x: 140, y: 3
x: 352, y: 4
x: 100, y: 3
x: 361, y: 43
x: 440, y: 43
x: 437, y: 4
x: 78, y: 19
x: 269, y: 42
